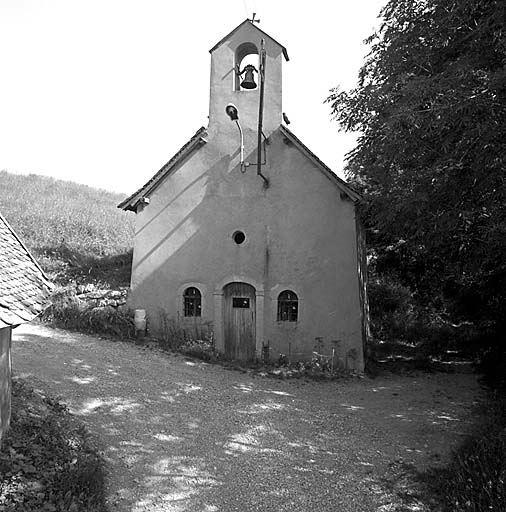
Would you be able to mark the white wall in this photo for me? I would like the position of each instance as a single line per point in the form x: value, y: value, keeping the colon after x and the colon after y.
x: 300, y: 234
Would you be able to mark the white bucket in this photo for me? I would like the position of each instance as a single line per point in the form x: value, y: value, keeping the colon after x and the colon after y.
x: 140, y: 320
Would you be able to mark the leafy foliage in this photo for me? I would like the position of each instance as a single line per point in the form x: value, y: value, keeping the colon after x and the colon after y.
x: 430, y: 104
x: 68, y: 312
x: 48, y: 460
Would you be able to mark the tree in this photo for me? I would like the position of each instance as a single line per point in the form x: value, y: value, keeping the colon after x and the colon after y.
x: 430, y: 105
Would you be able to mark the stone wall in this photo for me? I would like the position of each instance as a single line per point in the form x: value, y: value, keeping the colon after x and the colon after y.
x: 94, y: 297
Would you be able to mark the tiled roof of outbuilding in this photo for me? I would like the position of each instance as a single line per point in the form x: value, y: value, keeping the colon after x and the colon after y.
x: 24, y: 289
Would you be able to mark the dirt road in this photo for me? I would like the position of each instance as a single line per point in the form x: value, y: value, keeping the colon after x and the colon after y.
x: 181, y: 435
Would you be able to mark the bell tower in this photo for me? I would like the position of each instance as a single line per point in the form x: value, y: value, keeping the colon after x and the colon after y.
x: 235, y: 78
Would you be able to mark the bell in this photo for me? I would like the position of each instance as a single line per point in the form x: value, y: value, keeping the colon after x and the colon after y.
x: 249, y: 80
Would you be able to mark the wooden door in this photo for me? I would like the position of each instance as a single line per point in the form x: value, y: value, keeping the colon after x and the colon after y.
x: 239, y: 313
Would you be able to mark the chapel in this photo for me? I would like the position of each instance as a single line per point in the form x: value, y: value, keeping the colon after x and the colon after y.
x: 246, y: 232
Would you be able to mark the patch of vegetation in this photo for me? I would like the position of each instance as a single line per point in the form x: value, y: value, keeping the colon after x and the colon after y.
x: 476, y: 478
x: 195, y: 340
x: 429, y: 104
x: 473, y: 481
x: 76, y: 232
x: 407, y: 335
x: 67, y: 312
x: 65, y: 266
x: 48, y: 461
x: 320, y: 367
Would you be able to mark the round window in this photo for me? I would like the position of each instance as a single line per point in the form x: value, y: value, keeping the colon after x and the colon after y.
x: 239, y: 237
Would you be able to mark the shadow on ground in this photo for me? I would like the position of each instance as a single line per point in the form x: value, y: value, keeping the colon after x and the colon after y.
x: 182, y: 435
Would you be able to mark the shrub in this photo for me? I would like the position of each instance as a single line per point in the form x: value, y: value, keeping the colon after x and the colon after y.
x: 405, y: 331
x: 49, y: 461
x: 68, y: 312
x: 391, y: 308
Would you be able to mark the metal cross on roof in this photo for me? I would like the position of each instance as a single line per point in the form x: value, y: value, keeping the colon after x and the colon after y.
x: 253, y: 20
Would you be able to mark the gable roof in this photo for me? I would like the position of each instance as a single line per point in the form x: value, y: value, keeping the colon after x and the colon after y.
x: 130, y: 203
x: 24, y: 288
x: 199, y: 139
x: 221, y: 41
x: 341, y: 184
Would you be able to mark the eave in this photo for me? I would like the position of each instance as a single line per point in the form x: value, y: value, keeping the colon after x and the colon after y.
x: 219, y: 43
x: 131, y: 203
x: 340, y: 183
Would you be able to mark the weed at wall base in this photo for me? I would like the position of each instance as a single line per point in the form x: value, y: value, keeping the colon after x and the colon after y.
x: 193, y: 339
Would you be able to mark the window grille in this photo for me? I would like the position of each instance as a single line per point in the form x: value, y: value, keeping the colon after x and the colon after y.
x: 192, y: 302
x: 240, y: 302
x: 288, y: 306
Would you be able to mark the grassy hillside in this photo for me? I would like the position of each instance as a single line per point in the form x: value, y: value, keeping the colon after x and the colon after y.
x: 76, y: 232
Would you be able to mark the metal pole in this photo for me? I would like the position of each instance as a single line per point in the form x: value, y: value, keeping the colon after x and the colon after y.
x: 260, y: 114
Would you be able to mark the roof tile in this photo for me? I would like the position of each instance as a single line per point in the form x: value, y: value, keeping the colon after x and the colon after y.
x: 24, y: 289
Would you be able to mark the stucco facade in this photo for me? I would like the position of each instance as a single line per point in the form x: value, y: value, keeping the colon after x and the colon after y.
x: 300, y: 230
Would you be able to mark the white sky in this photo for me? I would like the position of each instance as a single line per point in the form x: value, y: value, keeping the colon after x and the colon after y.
x: 104, y: 92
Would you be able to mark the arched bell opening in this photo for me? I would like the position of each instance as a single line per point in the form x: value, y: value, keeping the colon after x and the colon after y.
x: 246, y: 67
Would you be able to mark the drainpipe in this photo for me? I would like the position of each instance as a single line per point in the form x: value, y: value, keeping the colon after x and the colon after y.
x: 260, y: 115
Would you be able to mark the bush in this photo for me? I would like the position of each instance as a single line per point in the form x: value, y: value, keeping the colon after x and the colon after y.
x: 48, y: 461
x: 391, y: 308
x: 403, y: 330
x: 68, y: 312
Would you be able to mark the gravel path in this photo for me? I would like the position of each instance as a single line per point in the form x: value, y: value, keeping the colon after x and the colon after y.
x: 182, y: 436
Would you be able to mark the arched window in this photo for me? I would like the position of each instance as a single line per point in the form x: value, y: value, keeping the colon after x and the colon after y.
x: 192, y: 302
x: 246, y: 56
x: 288, y: 306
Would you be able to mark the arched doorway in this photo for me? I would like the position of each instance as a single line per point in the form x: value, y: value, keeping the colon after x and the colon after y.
x: 239, y: 316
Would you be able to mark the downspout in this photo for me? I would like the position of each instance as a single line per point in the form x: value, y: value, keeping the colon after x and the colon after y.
x: 260, y: 115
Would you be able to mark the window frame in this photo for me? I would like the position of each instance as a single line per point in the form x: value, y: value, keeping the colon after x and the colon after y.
x: 192, y: 303
x: 284, y: 309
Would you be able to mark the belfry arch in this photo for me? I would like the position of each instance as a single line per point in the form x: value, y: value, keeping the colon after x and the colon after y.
x: 246, y: 55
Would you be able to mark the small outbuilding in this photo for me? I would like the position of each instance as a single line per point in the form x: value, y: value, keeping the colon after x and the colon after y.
x: 24, y: 292
x: 247, y: 230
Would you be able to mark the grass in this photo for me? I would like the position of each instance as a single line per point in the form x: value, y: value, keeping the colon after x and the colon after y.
x: 76, y: 232
x: 475, y: 480
x: 48, y: 461
x: 67, y: 312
